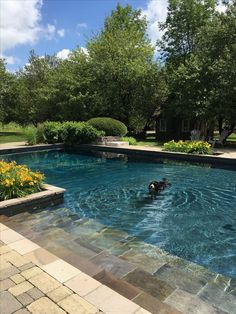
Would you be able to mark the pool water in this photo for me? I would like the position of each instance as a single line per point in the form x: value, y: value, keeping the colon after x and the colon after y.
x: 195, y: 218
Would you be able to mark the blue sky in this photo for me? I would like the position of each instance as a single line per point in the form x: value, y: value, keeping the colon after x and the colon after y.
x: 59, y: 26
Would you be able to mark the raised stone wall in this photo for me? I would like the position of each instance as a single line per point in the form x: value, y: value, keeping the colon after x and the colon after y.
x: 51, y: 196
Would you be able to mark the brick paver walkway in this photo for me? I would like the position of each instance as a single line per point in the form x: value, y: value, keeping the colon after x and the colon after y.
x: 30, y: 285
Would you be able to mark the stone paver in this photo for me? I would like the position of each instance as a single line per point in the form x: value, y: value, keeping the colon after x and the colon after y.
x: 61, y: 270
x: 44, y: 282
x: 189, y: 304
x: 14, y: 258
x: 44, y: 306
x: 3, y: 227
x: 215, y: 295
x: 17, y: 278
x: 24, y: 246
x: 83, y: 284
x: 142, y: 311
x: 31, y: 272
x: 8, y: 304
x: 111, y: 302
x: 9, y: 236
x: 41, y: 257
x: 6, y: 284
x: 74, y: 304
x: 26, y: 266
x: 59, y: 294
x: 5, y: 249
x: 25, y: 299
x: 8, y: 272
x: 35, y: 293
x: 22, y: 311
x: 20, y: 288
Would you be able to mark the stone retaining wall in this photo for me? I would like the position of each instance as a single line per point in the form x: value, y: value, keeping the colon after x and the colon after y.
x: 51, y: 196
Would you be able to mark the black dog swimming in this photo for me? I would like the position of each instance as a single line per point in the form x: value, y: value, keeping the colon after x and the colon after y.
x: 157, y: 186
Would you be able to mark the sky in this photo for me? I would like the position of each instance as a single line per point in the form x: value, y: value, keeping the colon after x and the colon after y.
x: 59, y: 26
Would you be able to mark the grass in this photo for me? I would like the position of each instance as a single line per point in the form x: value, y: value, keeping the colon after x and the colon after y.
x: 11, y: 132
x: 149, y: 141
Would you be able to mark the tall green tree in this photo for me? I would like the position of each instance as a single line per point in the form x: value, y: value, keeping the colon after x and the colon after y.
x: 182, y: 27
x: 8, y: 94
x: 199, y: 45
x: 121, y: 58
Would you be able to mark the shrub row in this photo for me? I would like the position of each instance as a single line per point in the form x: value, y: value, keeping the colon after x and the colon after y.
x: 70, y: 132
x: 74, y: 132
x: 194, y: 147
x: 18, y: 180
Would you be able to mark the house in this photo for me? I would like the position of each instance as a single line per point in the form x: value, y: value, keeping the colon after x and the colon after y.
x: 172, y: 128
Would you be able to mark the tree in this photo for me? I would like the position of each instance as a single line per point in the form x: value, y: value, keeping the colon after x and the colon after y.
x: 8, y: 94
x: 121, y: 59
x: 184, y: 22
x: 201, y: 61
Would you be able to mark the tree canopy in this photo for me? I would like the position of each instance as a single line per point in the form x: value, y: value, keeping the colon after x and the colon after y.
x: 121, y: 75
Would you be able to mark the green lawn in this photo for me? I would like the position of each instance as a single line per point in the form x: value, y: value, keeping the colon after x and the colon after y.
x: 149, y: 141
x: 9, y: 137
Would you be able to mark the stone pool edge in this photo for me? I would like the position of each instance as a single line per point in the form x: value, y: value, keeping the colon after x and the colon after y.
x: 15, y: 149
x: 151, y: 153
x: 50, y: 196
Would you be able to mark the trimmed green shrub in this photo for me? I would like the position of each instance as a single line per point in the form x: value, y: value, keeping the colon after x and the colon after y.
x: 110, y: 126
x: 129, y: 139
x: 79, y: 133
x: 52, y: 132
x: 194, y: 147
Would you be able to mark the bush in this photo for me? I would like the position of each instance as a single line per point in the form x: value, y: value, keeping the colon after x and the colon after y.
x: 52, y: 132
x: 30, y: 133
x: 131, y: 140
x: 194, y: 147
x: 18, y: 180
x: 79, y: 133
x: 110, y: 126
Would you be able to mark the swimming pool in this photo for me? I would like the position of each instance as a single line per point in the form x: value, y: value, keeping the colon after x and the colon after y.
x: 194, y: 218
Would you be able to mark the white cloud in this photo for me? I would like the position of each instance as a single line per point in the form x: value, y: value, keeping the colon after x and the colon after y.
x: 63, y: 54
x: 19, y: 22
x: 221, y: 7
x: 82, y: 25
x: 50, y: 31
x: 155, y: 12
x: 85, y: 50
x: 61, y: 32
x: 9, y: 59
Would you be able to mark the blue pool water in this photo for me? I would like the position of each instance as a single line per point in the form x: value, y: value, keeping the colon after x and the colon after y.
x: 195, y: 218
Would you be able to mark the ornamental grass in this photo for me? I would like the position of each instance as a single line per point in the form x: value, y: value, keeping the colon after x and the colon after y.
x: 18, y: 180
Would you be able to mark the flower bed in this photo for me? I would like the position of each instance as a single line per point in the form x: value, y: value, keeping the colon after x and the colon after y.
x: 18, y: 181
x: 193, y: 147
